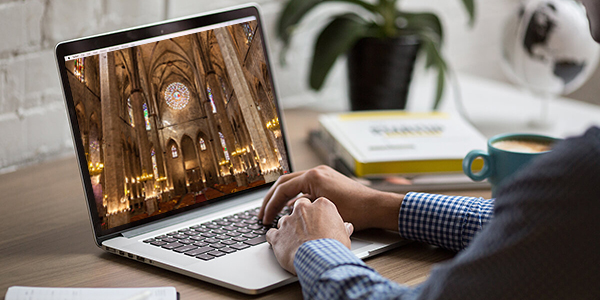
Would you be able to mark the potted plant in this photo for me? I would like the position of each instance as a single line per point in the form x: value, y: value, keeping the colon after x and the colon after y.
x: 382, y: 46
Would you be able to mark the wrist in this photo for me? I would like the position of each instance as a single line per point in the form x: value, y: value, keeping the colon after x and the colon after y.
x: 386, y: 210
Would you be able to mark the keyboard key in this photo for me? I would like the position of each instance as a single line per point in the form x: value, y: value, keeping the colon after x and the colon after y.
x: 217, y: 253
x: 247, y: 235
x: 197, y: 238
x: 243, y: 230
x: 239, y: 238
x: 211, y: 240
x: 233, y: 233
x: 227, y: 250
x: 239, y: 246
x: 158, y: 243
x: 205, y: 256
x: 217, y: 245
x: 212, y: 226
x: 169, y: 240
x: 219, y: 231
x: 200, y: 244
x: 172, y: 245
x: 229, y: 228
x: 180, y: 236
x: 228, y: 242
x: 256, y: 226
x: 149, y: 240
x: 192, y: 233
x: 185, y: 248
x: 257, y: 240
x: 160, y: 237
x: 208, y: 234
x: 222, y: 237
x: 199, y: 251
x: 186, y: 241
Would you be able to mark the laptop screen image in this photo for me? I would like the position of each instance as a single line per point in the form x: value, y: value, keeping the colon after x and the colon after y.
x: 174, y: 121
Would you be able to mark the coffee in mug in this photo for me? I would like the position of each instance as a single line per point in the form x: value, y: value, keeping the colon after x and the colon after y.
x: 506, y: 154
x: 523, y: 146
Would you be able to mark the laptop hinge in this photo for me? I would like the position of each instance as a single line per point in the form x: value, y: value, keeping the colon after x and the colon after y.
x: 196, y: 213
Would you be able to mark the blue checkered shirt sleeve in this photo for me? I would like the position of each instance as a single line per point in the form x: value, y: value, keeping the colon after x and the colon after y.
x: 450, y: 222
x: 328, y: 270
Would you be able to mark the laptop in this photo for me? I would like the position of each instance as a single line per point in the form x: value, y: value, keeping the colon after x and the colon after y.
x: 179, y: 134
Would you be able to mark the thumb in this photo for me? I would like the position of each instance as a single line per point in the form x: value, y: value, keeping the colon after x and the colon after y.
x: 349, y: 228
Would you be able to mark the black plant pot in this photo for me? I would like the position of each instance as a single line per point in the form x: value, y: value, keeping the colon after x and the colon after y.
x: 379, y: 72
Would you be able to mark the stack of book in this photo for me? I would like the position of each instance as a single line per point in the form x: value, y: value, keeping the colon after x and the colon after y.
x: 399, y: 151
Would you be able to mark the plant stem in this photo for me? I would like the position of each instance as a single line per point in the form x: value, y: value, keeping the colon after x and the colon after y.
x: 387, y: 10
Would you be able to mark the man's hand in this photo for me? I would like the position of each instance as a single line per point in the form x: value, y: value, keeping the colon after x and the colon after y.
x: 308, y: 221
x: 362, y: 206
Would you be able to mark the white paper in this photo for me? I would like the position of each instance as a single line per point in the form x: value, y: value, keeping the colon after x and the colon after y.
x: 52, y: 293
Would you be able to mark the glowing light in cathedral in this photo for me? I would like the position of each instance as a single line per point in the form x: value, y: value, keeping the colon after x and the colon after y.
x: 146, y: 116
x: 174, y: 153
x: 224, y: 144
x: 212, y: 101
x: 177, y: 95
x: 130, y: 109
x: 154, y: 164
x: 202, y: 144
x: 248, y: 32
x: 78, y: 70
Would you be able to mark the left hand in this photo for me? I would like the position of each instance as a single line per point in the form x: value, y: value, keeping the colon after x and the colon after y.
x: 308, y: 221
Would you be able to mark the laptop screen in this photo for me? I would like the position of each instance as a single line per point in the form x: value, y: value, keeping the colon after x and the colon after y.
x: 171, y: 117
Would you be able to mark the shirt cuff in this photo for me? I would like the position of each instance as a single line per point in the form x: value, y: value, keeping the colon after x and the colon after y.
x: 316, y: 257
x: 446, y: 221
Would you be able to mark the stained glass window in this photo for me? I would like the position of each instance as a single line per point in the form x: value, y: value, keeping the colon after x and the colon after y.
x: 174, y: 152
x: 224, y: 144
x: 146, y: 116
x: 177, y: 95
x: 248, y: 32
x: 154, y: 164
x: 202, y: 144
x: 130, y: 110
x: 79, y: 68
x: 212, y: 101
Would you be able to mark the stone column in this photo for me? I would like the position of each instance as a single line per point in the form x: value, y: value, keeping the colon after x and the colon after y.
x: 267, y: 159
x: 117, y: 203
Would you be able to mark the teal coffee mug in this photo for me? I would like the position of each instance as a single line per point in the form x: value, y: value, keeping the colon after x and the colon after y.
x: 506, y: 154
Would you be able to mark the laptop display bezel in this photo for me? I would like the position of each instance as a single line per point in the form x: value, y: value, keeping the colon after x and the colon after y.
x: 67, y: 48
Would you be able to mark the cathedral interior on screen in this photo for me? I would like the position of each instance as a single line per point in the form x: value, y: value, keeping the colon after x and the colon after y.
x: 176, y: 122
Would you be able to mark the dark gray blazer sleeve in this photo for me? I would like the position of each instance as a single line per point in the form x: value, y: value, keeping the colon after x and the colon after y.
x: 544, y: 239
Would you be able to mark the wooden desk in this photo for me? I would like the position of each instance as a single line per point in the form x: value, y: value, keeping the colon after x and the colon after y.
x: 46, y: 238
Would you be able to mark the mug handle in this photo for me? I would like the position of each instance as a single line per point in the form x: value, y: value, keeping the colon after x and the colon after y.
x: 468, y: 162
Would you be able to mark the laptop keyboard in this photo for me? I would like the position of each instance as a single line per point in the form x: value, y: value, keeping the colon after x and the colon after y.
x: 218, y: 237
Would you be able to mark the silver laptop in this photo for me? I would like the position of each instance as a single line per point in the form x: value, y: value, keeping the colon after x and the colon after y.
x: 179, y: 135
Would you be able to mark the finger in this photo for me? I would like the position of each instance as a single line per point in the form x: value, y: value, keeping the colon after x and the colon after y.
x: 280, y: 222
x: 284, y: 192
x: 300, y: 201
x: 349, y: 228
x: 271, y: 235
x: 281, y: 180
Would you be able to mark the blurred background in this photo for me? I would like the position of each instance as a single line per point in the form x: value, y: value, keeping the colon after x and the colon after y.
x: 33, y: 122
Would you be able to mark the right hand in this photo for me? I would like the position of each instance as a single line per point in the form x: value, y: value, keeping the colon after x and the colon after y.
x: 362, y: 206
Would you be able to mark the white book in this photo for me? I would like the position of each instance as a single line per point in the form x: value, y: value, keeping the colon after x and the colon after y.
x: 398, y: 142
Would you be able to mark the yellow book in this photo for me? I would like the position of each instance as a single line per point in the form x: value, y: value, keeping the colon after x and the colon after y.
x: 373, y: 143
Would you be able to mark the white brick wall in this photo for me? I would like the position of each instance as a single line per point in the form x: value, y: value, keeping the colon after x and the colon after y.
x: 33, y: 123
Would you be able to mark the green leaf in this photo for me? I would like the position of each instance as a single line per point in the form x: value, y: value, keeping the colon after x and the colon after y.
x: 295, y: 10
x: 335, y: 40
x: 439, y: 91
x: 424, y: 21
x: 470, y: 6
x: 436, y: 61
